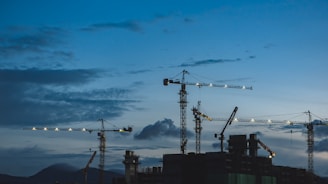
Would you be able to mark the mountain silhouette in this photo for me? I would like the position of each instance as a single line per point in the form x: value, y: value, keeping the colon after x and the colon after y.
x: 62, y: 174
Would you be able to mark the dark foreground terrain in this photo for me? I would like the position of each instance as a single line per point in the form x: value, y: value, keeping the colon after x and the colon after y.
x: 61, y: 174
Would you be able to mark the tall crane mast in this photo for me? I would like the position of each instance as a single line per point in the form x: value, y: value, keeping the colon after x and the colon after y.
x: 183, y: 102
x: 102, y: 140
x: 198, y: 127
x: 310, y: 139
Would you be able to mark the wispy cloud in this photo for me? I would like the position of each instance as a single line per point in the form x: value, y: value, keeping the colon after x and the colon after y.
x: 139, y: 71
x: 43, y: 44
x: 128, y: 25
x: 208, y: 62
x: 165, y: 127
x: 135, y: 25
x: 37, y: 40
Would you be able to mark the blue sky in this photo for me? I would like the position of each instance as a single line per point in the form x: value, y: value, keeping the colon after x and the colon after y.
x: 70, y: 63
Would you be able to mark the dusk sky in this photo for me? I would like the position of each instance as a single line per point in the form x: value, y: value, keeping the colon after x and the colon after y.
x: 70, y: 63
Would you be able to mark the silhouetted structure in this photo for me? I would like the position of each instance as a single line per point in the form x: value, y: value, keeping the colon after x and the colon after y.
x: 131, y: 163
x: 238, y: 166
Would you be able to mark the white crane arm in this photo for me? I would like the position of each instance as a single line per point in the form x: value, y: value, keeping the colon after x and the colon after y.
x: 199, y: 84
x: 129, y: 129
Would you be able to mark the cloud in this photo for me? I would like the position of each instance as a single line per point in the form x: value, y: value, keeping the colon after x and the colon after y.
x: 321, y: 146
x: 207, y: 62
x: 133, y: 25
x: 165, y: 127
x: 35, y: 97
x: 54, y: 55
x: 321, y: 131
x: 31, y: 40
x: 139, y: 71
x: 269, y: 46
x: 34, y: 45
x: 188, y: 20
x: 128, y: 25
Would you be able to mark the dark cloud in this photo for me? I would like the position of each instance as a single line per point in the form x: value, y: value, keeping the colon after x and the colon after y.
x: 128, y: 25
x: 187, y: 20
x: 165, y: 127
x: 139, y: 71
x: 208, y: 62
x: 321, y: 146
x: 321, y: 131
x: 269, y: 46
x: 38, y: 41
x: 40, y: 47
x: 35, y: 97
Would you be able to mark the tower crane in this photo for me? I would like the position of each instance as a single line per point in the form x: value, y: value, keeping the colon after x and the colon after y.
x: 309, y: 126
x: 198, y: 128
x: 310, y: 139
x: 230, y: 120
x: 183, y: 102
x: 102, y: 140
x: 85, y: 170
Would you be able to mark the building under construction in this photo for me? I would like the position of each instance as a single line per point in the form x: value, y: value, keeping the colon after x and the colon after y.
x: 239, y: 165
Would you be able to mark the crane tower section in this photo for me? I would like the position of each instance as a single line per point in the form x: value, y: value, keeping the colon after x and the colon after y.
x: 183, y: 102
x: 198, y: 127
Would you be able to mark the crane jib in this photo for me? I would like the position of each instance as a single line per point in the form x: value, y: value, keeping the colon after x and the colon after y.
x: 170, y: 81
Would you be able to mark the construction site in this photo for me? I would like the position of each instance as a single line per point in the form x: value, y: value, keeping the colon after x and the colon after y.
x: 238, y: 163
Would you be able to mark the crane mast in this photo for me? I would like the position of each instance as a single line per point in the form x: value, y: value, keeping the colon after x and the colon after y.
x: 183, y: 102
x: 102, y: 148
x: 183, y: 112
x: 310, y: 141
x: 198, y: 127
